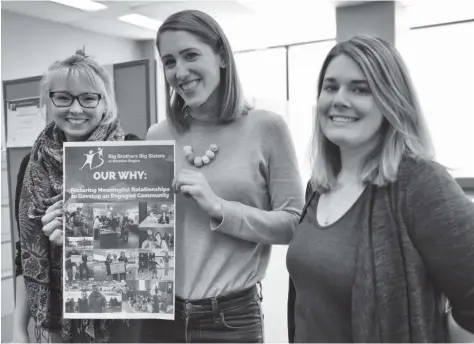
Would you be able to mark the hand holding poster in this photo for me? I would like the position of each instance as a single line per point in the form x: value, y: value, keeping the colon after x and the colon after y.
x: 111, y: 191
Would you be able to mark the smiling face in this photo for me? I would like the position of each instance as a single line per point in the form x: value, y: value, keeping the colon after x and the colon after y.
x: 191, y: 67
x: 76, y: 122
x: 347, y: 111
x: 158, y: 237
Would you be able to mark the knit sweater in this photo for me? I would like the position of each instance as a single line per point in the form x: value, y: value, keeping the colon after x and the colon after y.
x: 255, y: 173
x: 417, y: 244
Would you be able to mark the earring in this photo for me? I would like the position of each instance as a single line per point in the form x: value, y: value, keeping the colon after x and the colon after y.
x: 184, y: 110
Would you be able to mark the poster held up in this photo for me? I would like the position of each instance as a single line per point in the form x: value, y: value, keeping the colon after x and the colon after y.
x: 110, y: 190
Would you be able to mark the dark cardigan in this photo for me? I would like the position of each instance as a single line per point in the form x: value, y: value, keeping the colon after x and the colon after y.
x: 19, y: 186
x: 417, y: 242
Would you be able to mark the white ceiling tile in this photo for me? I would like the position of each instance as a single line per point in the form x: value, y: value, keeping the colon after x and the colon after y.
x: 45, y: 10
x: 248, y: 23
x: 114, y: 27
x: 162, y: 9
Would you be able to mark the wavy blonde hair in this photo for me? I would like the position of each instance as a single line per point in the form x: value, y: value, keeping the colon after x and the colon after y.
x: 80, y: 65
x: 404, y: 130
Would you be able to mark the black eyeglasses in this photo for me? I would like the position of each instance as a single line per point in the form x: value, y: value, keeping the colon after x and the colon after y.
x: 65, y: 99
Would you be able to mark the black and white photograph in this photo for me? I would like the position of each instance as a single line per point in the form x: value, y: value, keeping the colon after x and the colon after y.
x: 93, y: 297
x: 116, y: 265
x: 233, y: 148
x: 110, y: 189
x: 156, y: 230
x: 79, y: 264
x: 78, y: 220
x: 115, y: 225
x: 86, y: 243
x: 159, y: 214
x: 155, y: 265
x: 157, y: 239
x: 148, y: 297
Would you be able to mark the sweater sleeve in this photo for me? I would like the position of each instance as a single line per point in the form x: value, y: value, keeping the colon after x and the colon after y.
x: 441, y: 220
x: 285, y: 190
x: 19, y: 186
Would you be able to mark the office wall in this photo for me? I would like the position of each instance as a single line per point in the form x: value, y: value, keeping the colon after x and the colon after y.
x: 353, y: 20
x: 30, y: 45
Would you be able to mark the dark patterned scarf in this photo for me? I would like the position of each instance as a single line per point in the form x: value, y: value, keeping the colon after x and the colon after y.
x: 42, y: 260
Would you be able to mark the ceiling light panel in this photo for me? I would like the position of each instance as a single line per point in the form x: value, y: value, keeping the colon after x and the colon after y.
x: 141, y: 21
x: 84, y: 5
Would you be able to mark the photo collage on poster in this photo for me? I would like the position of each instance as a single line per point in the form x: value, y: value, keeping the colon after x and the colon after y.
x: 119, y: 245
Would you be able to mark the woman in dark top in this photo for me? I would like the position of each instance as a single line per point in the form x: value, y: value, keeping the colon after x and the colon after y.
x: 386, y: 232
x: 164, y: 218
x: 85, y: 116
x: 83, y: 303
x: 107, y: 262
x: 84, y: 268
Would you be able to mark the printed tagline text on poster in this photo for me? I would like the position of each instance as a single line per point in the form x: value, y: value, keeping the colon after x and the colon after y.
x: 119, y: 194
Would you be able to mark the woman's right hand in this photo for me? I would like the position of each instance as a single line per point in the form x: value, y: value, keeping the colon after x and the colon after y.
x: 53, y: 221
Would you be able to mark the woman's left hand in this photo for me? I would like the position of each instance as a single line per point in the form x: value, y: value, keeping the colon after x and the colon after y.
x: 193, y: 184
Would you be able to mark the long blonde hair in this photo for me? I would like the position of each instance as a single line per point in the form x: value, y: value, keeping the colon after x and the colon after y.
x: 81, y: 65
x: 404, y: 130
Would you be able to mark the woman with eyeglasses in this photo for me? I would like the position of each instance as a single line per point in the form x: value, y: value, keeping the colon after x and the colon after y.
x: 78, y: 96
x: 238, y: 187
x: 386, y: 233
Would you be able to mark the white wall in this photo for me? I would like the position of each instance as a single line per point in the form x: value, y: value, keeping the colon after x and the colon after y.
x: 443, y: 74
x: 30, y: 45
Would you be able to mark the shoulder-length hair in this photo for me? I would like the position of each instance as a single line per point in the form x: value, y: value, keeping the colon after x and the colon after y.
x: 205, y: 28
x: 404, y: 130
x: 80, y: 65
